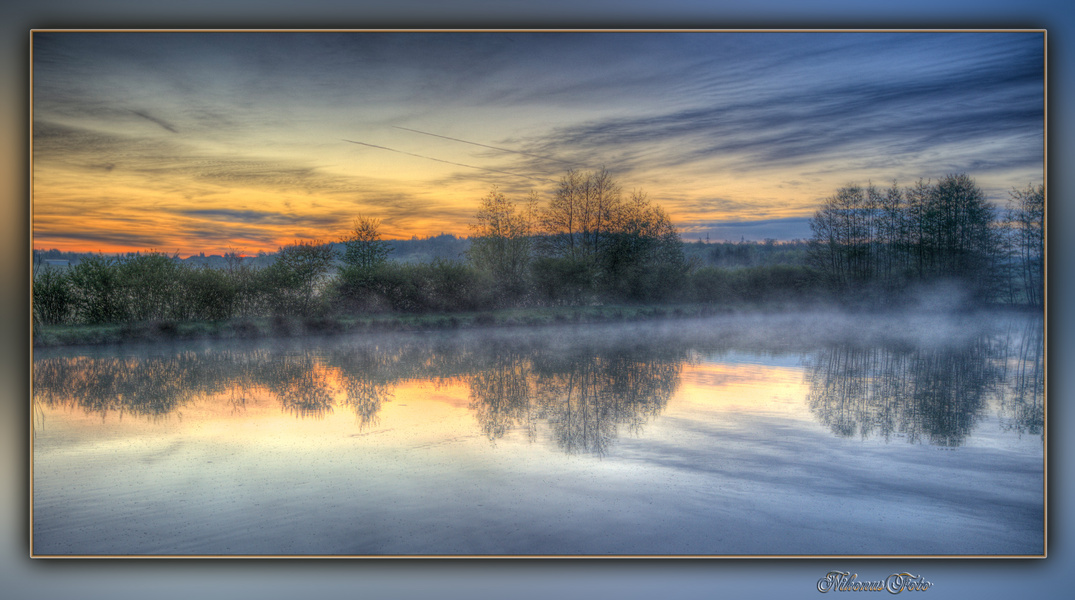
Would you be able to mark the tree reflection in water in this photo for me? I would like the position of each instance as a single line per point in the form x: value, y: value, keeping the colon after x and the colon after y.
x: 502, y: 394
x: 931, y: 393
x: 584, y: 395
x: 151, y: 387
x: 582, y: 389
x: 1022, y: 406
x: 299, y: 384
x: 587, y: 396
x: 366, y: 381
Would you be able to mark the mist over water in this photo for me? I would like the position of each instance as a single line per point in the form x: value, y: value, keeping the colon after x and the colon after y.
x: 556, y: 440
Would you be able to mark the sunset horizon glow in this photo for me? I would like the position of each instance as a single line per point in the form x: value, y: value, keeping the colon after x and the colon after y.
x: 216, y: 142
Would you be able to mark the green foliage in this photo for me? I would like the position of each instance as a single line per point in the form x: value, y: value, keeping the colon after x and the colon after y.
x: 641, y: 257
x: 455, y: 285
x: 710, y: 284
x: 294, y: 282
x: 753, y: 285
x: 363, y: 248
x: 249, y: 285
x: 563, y: 280
x: 149, y: 285
x: 53, y: 300
x: 440, y: 286
x: 96, y: 291
x: 209, y: 294
x: 595, y: 242
x: 352, y: 291
x: 775, y: 283
x: 396, y: 288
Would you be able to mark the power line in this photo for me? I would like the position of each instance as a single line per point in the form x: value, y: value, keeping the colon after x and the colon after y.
x: 485, y: 145
x: 447, y: 161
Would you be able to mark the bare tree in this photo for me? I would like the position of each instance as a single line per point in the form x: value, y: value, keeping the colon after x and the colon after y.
x: 580, y: 215
x: 1025, y: 225
x: 595, y: 241
x: 501, y: 243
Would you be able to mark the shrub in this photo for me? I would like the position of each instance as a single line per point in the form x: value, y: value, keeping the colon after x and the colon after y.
x: 440, y: 286
x: 295, y: 280
x: 776, y: 282
x: 53, y: 298
x: 563, y: 281
x: 149, y: 285
x: 709, y: 284
x: 96, y: 291
x: 453, y: 285
x: 208, y: 294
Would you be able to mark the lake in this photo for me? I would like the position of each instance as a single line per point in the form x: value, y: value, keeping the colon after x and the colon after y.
x: 743, y: 435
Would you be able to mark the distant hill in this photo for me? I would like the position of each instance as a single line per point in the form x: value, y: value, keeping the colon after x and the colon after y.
x: 414, y: 250
x: 450, y: 247
x: 422, y: 250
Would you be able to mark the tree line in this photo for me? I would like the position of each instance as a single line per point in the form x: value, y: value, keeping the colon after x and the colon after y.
x: 590, y: 243
x: 881, y: 243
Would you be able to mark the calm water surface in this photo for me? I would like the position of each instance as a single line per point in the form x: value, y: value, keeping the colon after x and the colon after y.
x: 776, y: 435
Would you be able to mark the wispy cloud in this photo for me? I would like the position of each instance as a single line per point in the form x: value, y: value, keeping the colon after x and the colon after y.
x: 798, y: 122
x: 120, y: 238
x: 261, y: 217
x: 151, y: 119
x: 164, y: 163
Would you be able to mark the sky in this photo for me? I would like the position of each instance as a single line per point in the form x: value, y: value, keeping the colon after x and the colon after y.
x: 188, y: 142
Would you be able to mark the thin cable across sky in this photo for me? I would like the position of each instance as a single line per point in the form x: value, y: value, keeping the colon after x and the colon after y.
x: 449, y: 162
x: 549, y: 158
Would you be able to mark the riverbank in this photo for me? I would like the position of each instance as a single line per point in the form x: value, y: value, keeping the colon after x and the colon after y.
x: 286, y: 327
x: 254, y: 328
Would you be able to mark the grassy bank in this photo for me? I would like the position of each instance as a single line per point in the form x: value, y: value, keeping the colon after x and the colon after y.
x: 150, y: 331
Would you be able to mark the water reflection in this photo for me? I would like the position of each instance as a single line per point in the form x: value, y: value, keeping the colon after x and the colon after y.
x: 502, y: 394
x: 299, y: 384
x: 587, y: 397
x: 935, y: 393
x: 109, y: 385
x: 584, y: 395
x: 580, y: 392
x: 1022, y: 405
